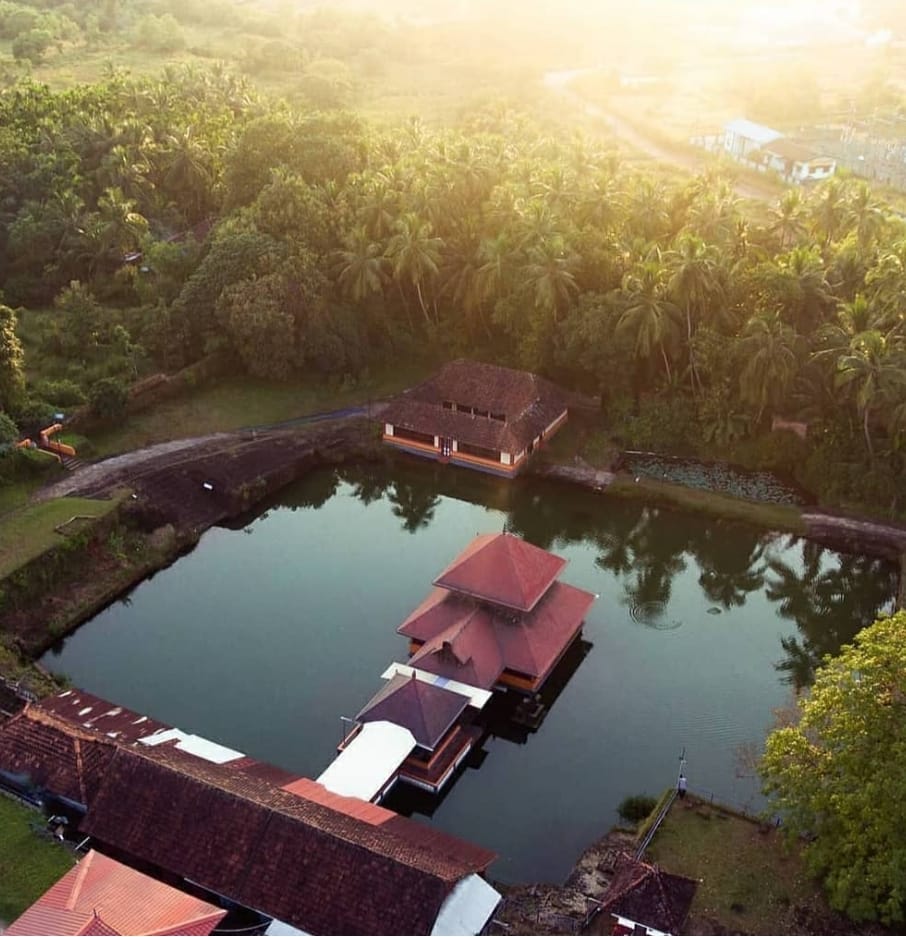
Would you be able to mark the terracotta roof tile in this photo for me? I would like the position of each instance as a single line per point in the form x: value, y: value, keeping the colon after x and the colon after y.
x: 52, y: 755
x: 102, y: 896
x: 427, y: 711
x: 468, y: 641
x: 502, y: 569
x: 649, y: 896
x: 312, y: 865
x: 529, y: 402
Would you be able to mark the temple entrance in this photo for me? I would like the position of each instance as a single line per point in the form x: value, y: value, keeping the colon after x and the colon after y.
x: 446, y: 447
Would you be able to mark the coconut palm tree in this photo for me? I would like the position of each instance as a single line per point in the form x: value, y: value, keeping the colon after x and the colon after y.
x: 788, y: 218
x: 767, y: 349
x: 415, y: 255
x: 648, y: 314
x: 360, y: 267
x: 693, y: 284
x: 875, y: 367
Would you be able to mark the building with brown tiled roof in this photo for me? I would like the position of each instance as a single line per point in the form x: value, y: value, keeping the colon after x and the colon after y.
x: 477, y: 415
x: 439, y: 719
x: 497, y: 616
x: 250, y: 832
x: 103, y: 896
x: 645, y: 899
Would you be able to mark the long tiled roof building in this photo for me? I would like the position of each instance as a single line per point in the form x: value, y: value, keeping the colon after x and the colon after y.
x: 476, y: 415
x: 251, y: 832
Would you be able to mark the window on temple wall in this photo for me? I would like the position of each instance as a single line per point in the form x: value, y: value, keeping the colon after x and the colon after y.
x: 483, y: 413
x: 492, y: 454
x: 410, y: 435
x: 500, y: 417
x: 449, y: 405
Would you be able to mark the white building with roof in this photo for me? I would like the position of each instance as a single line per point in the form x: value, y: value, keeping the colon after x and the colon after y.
x: 743, y: 137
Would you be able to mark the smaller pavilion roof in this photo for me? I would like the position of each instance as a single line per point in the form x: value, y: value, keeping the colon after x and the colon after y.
x: 426, y: 711
x: 502, y: 569
x: 102, y: 896
x: 649, y: 896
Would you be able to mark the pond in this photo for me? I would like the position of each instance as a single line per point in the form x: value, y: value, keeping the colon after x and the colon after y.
x: 266, y: 634
x: 713, y: 476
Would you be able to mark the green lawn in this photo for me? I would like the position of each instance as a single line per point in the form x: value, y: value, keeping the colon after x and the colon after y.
x: 29, y: 863
x: 749, y: 882
x: 29, y: 531
x: 243, y: 401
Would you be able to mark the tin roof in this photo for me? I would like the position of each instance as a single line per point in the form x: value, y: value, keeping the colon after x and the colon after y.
x: 426, y: 711
x: 102, y: 896
x: 758, y: 133
x: 502, y: 569
x: 649, y: 896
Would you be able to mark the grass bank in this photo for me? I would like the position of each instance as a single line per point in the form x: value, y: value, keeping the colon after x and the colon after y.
x: 783, y: 517
x: 30, y: 862
x: 28, y: 532
x: 237, y: 402
x: 749, y: 881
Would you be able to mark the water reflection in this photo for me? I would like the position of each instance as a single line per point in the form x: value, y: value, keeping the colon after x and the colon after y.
x: 828, y: 596
x: 263, y: 640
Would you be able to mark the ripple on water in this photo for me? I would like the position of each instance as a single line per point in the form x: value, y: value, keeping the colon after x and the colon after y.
x: 652, y: 615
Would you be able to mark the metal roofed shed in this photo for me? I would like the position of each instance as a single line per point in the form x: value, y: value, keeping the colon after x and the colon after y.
x: 759, y: 133
x: 467, y: 908
x: 369, y: 762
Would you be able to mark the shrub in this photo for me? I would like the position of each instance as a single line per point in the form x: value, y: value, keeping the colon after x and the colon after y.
x: 34, y: 414
x: 62, y: 393
x: 108, y: 398
x: 636, y: 808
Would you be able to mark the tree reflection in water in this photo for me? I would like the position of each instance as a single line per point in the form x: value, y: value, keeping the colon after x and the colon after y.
x: 646, y: 547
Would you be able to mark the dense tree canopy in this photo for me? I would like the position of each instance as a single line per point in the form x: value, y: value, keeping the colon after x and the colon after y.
x: 197, y: 215
x: 839, y: 774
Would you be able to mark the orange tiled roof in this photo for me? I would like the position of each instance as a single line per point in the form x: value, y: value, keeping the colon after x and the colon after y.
x: 102, y: 896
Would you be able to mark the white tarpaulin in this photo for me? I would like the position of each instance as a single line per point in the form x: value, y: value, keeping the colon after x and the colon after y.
x: 369, y: 761
x: 467, y: 908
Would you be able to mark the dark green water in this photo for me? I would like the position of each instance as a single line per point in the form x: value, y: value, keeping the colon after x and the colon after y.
x: 264, y: 636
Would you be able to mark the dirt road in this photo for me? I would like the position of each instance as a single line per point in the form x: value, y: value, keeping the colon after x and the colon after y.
x: 638, y: 140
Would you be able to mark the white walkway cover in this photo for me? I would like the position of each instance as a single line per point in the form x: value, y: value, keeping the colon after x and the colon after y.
x: 477, y: 697
x: 467, y: 908
x: 368, y: 762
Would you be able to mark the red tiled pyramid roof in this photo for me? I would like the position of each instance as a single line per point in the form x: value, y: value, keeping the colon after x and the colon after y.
x: 467, y: 650
x: 502, y: 569
x: 474, y: 643
x: 427, y: 711
x: 649, y: 896
x: 102, y: 896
